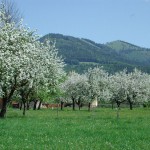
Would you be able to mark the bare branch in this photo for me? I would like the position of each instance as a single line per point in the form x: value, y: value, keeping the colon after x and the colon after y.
x: 11, y: 12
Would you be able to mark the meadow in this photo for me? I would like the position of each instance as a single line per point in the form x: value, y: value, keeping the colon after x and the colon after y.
x: 76, y: 130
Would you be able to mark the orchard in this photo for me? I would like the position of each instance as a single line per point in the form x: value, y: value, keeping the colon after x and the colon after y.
x: 33, y: 71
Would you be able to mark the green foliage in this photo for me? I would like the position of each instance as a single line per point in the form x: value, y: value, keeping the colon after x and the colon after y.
x: 121, y: 45
x: 98, y: 129
x: 81, y: 54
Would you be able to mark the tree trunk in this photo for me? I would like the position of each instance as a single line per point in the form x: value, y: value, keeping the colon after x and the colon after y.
x: 131, y: 105
x: 89, y: 107
x: 4, y: 107
x: 79, y: 106
x: 34, y: 107
x: 130, y: 102
x: 73, y: 106
x: 118, y: 104
x: 61, y: 105
x: 20, y: 105
x: 6, y: 99
x: 39, y: 106
x: 24, y: 108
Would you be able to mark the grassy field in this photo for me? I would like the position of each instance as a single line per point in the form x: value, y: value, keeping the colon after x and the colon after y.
x: 76, y: 130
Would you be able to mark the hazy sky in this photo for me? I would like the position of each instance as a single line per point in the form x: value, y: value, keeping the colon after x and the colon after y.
x: 99, y: 20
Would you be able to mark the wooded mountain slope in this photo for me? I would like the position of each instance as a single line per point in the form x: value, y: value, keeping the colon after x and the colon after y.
x: 80, y: 54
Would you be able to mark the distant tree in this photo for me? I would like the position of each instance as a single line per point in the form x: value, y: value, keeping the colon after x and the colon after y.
x: 75, y: 87
x: 138, y: 89
x: 128, y: 87
x: 118, y: 87
x: 98, y: 81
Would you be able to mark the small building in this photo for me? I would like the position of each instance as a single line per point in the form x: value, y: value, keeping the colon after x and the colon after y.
x: 15, y: 104
x: 94, y: 103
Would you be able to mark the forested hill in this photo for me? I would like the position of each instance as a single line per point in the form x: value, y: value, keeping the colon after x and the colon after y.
x: 80, y: 54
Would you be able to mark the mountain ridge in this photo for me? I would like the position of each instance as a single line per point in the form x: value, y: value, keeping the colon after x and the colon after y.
x: 122, y: 45
x: 79, y: 54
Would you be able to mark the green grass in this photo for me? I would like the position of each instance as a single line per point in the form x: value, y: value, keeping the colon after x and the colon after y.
x: 76, y: 130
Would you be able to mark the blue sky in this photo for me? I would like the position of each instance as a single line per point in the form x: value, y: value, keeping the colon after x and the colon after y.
x: 99, y: 20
